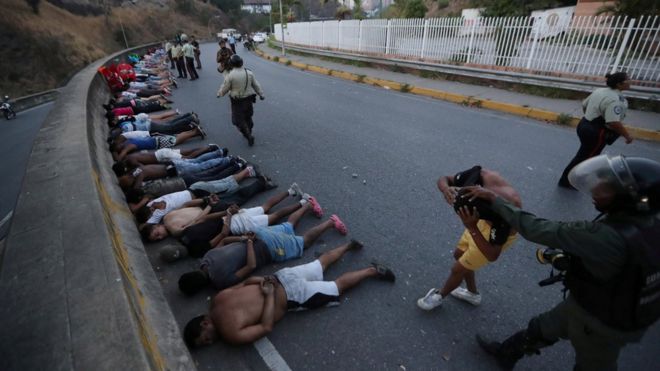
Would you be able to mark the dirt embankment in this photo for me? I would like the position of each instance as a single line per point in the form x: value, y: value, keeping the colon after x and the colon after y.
x: 42, y: 51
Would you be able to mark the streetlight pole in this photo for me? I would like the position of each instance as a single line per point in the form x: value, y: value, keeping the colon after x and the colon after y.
x: 282, y: 28
x: 270, y: 17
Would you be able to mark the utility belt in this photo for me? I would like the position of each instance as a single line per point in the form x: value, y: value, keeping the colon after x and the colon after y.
x: 599, y: 123
x: 252, y: 98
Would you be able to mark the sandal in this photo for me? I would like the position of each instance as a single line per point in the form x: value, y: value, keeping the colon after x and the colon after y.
x: 384, y: 273
x: 317, y: 210
x: 339, y: 225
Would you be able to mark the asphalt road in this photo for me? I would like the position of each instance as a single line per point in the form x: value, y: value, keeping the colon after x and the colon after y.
x: 318, y: 131
x: 18, y: 135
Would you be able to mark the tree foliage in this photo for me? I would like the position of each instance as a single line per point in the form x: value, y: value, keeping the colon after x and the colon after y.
x: 414, y: 9
x: 632, y: 8
x: 358, y: 13
x: 228, y: 6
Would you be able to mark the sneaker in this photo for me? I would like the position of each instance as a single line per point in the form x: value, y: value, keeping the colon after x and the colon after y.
x: 384, y: 273
x: 339, y: 225
x: 214, y: 147
x: 201, y: 131
x: 295, y: 190
x: 431, y: 300
x: 316, y: 208
x: 268, y: 183
x: 465, y: 295
x: 225, y: 151
x: 240, y: 161
x: 306, y: 196
x: 355, y: 245
x: 251, y: 171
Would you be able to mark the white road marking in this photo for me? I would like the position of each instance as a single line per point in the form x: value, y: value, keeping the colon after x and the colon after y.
x: 6, y: 218
x: 270, y: 355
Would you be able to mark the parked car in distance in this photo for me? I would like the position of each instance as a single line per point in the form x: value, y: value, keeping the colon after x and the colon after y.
x: 259, y: 37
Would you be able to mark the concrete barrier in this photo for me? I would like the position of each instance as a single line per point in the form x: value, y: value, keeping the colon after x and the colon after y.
x: 78, y: 289
x: 33, y: 100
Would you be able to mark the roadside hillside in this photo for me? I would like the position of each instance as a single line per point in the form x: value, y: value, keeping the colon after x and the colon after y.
x: 42, y: 51
x: 446, y: 8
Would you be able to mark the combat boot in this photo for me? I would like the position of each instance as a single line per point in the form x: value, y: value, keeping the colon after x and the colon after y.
x: 508, y: 352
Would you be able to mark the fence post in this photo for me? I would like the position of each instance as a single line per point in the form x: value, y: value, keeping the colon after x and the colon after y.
x: 426, y: 32
x: 338, y: 35
x: 469, y: 52
x: 388, y: 32
x: 534, y: 41
x: 360, y: 36
x: 623, y: 45
x: 322, y: 34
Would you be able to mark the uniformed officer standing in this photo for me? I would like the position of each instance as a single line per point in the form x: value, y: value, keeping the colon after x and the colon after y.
x: 604, y: 111
x: 613, y: 274
x: 243, y: 89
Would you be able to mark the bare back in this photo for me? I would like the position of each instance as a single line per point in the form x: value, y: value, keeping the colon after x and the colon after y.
x: 496, y: 183
x: 177, y: 220
x: 238, y: 307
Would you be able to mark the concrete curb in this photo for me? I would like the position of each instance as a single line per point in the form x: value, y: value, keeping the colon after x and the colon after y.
x: 81, y: 292
x: 530, y: 112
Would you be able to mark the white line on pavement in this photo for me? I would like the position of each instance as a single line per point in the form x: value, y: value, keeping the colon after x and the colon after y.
x: 6, y: 218
x: 270, y: 355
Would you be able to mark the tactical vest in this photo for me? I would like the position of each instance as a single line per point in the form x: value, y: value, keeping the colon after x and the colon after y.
x: 630, y: 300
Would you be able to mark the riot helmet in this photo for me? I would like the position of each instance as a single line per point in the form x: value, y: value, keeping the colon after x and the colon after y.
x: 622, y: 183
x: 235, y: 61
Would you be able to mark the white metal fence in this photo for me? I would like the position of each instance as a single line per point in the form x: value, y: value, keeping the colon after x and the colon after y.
x: 575, y: 47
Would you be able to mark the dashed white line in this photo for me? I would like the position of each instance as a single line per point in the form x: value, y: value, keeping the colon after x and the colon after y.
x: 270, y: 355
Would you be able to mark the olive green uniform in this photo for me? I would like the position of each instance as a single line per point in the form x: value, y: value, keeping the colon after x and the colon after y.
x: 603, y: 253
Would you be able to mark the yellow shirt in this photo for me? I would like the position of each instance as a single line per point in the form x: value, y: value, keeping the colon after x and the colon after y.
x: 176, y: 51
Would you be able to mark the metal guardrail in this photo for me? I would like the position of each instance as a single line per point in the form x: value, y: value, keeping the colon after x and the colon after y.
x: 521, y: 78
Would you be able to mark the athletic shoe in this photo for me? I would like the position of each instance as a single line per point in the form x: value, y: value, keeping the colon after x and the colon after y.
x: 251, y: 171
x: 306, y: 196
x: 431, y: 300
x: 339, y: 225
x: 384, y: 273
x: 201, y: 131
x: 225, y: 151
x: 466, y: 295
x: 214, y: 147
x: 240, y: 161
x: 316, y: 208
x: 355, y: 245
x: 294, y: 190
x: 268, y: 183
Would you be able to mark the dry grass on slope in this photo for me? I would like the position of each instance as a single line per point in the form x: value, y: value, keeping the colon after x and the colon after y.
x: 43, y: 51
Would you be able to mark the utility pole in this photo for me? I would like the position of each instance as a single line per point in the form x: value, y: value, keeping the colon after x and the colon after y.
x: 270, y: 17
x: 122, y: 31
x: 282, y: 28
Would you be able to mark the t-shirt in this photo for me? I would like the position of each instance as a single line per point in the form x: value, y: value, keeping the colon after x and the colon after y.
x: 172, y: 201
x: 138, y: 134
x: 188, y: 50
x: 197, y: 237
x: 222, y: 263
x: 143, y: 143
x: 122, y: 111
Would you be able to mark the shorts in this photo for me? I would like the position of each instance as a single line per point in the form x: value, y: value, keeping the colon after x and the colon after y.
x: 282, y: 242
x: 165, y: 141
x: 248, y: 220
x: 305, y: 288
x: 167, y: 154
x: 472, y: 258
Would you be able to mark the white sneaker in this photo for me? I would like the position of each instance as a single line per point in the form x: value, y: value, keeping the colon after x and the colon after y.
x: 466, y: 295
x: 294, y: 190
x: 431, y: 300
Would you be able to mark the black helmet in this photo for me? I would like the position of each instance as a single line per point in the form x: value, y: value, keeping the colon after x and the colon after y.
x: 235, y: 61
x: 634, y: 182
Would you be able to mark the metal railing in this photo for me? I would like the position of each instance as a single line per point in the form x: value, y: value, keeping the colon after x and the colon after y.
x: 572, y: 47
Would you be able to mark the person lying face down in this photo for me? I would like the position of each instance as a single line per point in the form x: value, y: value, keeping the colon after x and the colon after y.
x: 235, y: 257
x: 248, y: 311
x: 141, y: 140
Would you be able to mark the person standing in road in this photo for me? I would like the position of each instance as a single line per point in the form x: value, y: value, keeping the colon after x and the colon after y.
x: 611, y: 264
x: 168, y: 49
x: 485, y: 237
x: 243, y: 89
x: 232, y: 43
x: 189, y: 54
x: 198, y: 51
x: 177, y: 54
x: 222, y: 57
x: 604, y: 111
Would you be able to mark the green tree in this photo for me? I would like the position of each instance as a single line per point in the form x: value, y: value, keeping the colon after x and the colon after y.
x: 632, y: 8
x: 516, y: 8
x: 228, y: 6
x: 358, y: 13
x: 414, y: 9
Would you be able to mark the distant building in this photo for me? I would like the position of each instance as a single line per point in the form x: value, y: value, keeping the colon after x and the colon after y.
x: 257, y: 6
x: 590, y: 7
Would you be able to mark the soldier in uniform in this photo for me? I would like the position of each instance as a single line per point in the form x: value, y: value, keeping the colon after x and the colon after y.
x: 604, y: 111
x: 613, y: 264
x: 243, y: 89
x: 222, y: 57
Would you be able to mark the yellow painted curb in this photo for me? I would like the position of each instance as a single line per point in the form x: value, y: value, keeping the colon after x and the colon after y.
x: 514, y: 109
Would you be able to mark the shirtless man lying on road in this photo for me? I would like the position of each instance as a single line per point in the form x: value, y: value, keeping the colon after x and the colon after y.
x: 246, y: 312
